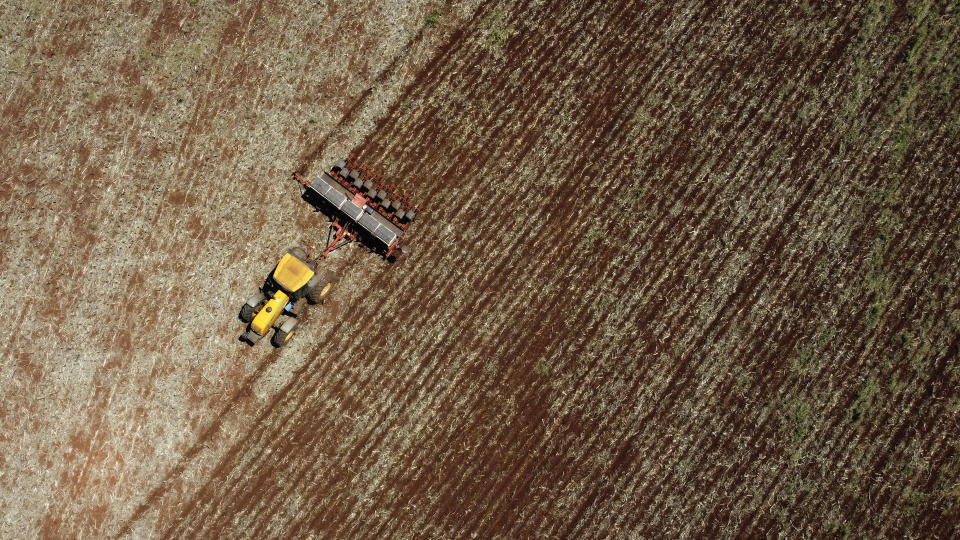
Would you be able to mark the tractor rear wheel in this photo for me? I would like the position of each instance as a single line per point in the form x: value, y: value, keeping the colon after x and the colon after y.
x: 283, y: 334
x: 323, y: 287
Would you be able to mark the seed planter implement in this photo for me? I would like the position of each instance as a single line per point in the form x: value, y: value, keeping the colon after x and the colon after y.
x: 362, y: 207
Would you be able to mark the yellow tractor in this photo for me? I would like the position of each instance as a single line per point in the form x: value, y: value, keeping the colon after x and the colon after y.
x: 276, y: 304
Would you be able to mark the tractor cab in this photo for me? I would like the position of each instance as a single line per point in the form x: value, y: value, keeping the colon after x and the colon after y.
x: 291, y: 274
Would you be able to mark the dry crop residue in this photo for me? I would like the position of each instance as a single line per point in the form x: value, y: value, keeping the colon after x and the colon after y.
x: 685, y: 268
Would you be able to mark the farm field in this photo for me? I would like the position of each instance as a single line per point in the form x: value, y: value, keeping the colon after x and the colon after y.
x: 685, y: 269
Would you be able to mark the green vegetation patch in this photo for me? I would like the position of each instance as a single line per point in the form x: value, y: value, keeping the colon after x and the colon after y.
x: 432, y: 20
x: 809, y: 357
x: 877, y: 281
x: 796, y: 422
x: 594, y: 235
x: 911, y: 500
x: 864, y: 400
x: 496, y: 29
x: 542, y: 369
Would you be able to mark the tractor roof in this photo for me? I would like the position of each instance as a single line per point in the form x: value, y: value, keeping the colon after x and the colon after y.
x: 292, y: 273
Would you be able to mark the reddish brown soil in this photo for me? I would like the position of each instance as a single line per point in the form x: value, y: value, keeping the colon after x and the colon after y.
x: 684, y: 269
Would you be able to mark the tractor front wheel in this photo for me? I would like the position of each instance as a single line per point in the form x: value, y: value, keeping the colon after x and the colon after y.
x: 247, y: 312
x: 249, y: 309
x: 283, y: 334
